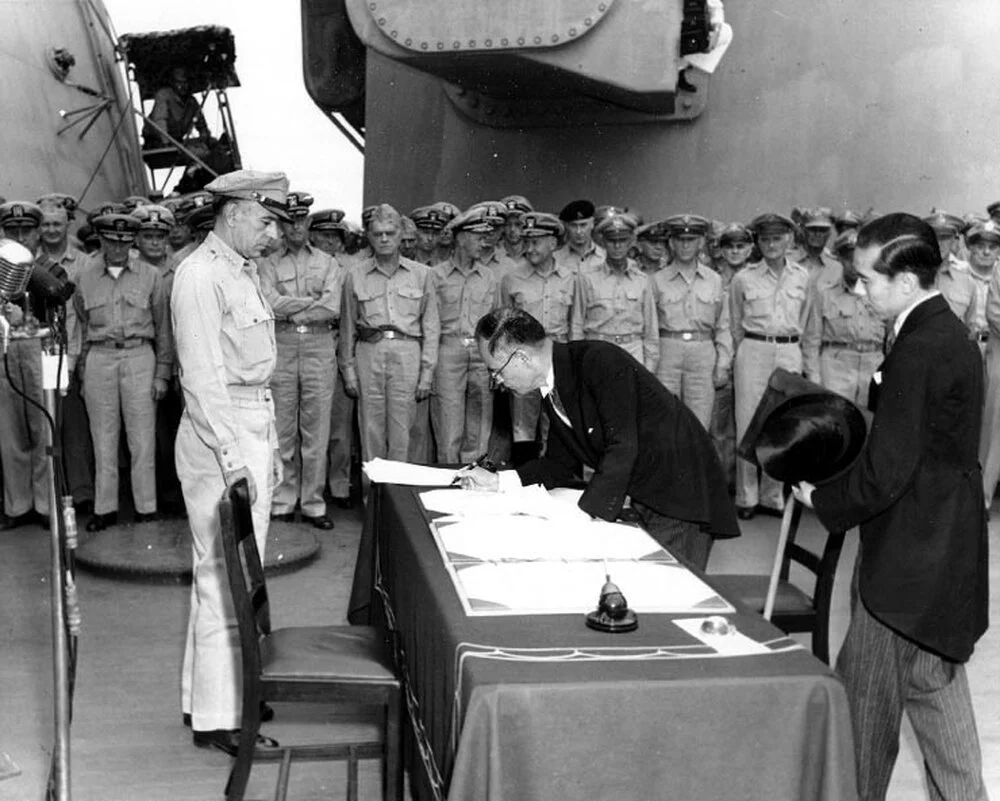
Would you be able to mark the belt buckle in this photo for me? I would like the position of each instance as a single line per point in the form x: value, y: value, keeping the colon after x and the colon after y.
x: 302, y: 329
x: 389, y: 334
x: 468, y: 341
x: 687, y: 336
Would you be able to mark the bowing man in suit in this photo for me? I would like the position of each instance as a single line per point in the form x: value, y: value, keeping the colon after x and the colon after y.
x: 916, y: 491
x: 610, y: 413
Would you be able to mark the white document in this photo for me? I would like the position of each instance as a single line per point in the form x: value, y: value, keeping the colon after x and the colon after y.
x: 733, y: 643
x: 532, y: 500
x: 386, y: 471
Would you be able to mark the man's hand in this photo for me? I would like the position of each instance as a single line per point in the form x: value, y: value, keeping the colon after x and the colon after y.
x: 477, y: 478
x: 803, y: 492
x: 423, y: 393
x: 351, y: 387
x: 244, y: 472
x: 159, y: 388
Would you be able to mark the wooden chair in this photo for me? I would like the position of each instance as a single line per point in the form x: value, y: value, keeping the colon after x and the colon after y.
x: 313, y: 665
x: 794, y: 609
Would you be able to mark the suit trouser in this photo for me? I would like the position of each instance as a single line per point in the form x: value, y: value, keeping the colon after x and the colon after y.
x: 117, y: 385
x: 211, y: 690
x: 989, y: 434
x: 755, y: 361
x: 341, y: 440
x: 886, y: 674
x: 22, y: 432
x: 77, y: 446
x: 462, y: 403
x: 681, y: 537
x: 169, y: 409
x: 302, y: 385
x: 388, y: 372
x: 848, y: 372
x: 686, y: 369
x: 723, y: 429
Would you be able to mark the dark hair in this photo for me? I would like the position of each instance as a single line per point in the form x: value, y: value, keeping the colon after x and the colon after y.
x: 906, y: 244
x: 506, y: 325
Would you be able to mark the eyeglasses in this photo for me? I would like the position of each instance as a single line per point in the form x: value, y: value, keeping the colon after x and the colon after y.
x: 496, y: 379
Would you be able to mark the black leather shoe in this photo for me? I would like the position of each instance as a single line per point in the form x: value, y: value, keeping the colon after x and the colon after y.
x: 26, y: 519
x: 288, y: 517
x: 85, y: 507
x: 43, y: 521
x: 148, y: 517
x: 322, y: 522
x: 343, y: 503
x: 227, y: 740
x: 767, y: 510
x: 101, y: 522
x: 745, y: 512
x: 266, y: 715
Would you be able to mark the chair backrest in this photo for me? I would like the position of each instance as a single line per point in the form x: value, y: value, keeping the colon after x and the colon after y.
x: 245, y: 574
x: 823, y: 565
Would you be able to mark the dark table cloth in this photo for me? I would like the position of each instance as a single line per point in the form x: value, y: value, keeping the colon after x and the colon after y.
x: 516, y: 708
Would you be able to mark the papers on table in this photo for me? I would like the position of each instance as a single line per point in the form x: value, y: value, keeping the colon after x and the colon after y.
x: 733, y: 643
x: 533, y: 500
x: 386, y: 471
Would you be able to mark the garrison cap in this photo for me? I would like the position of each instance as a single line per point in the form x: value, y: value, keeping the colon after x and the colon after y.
x: 846, y: 220
x: 134, y: 201
x: 687, y: 225
x: 326, y: 220
x: 116, y: 227
x: 58, y: 200
x: 654, y: 231
x: 538, y: 223
x: 407, y: 226
x: 771, y: 223
x: 20, y: 212
x: 816, y: 218
x: 845, y: 243
x: 477, y: 220
x: 735, y: 234
x: 988, y: 231
x: 107, y: 207
x: 298, y: 203
x: 517, y: 204
x: 430, y: 218
x: 577, y: 210
x: 993, y: 209
x: 944, y: 223
x: 153, y: 218
x: 269, y: 189
x: 617, y: 226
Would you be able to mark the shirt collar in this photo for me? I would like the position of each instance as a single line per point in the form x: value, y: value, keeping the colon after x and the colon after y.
x: 235, y: 261
x: 550, y: 382
x: 901, y: 317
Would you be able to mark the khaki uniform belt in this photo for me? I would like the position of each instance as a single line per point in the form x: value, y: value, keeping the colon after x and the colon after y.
x: 686, y: 336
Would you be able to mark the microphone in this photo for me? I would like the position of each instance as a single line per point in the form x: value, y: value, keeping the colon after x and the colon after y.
x: 16, y: 263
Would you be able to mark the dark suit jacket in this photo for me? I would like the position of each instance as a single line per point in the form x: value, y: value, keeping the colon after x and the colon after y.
x: 641, y: 440
x: 917, y: 489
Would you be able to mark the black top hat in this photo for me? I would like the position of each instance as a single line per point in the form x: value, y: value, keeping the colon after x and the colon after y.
x: 802, y: 431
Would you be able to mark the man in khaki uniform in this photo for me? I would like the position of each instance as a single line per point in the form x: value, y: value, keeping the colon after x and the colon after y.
x: 696, y: 348
x: 389, y: 332
x: 491, y: 255
x: 769, y: 305
x: 327, y: 231
x: 580, y: 253
x: 651, y: 247
x: 226, y: 350
x: 429, y: 222
x: 126, y: 360
x: 817, y: 225
x: 953, y: 280
x: 983, y: 244
x: 615, y: 302
x: 513, y: 230
x: 303, y: 286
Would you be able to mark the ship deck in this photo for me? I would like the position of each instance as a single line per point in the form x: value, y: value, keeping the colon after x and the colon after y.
x: 128, y: 743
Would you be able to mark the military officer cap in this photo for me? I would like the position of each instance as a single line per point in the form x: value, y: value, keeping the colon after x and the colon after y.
x: 134, y: 201
x: 476, y: 220
x: 988, y: 231
x: 326, y: 220
x: 653, y: 232
x: 616, y: 227
x: 153, y: 218
x: 603, y: 212
x: 195, y: 209
x: 87, y: 235
x: 576, y: 211
x: 944, y: 223
x: 496, y: 212
x: 816, y: 218
x: 107, y: 207
x: 20, y: 212
x: 735, y: 234
x: 366, y: 215
x: 298, y: 203
x: 430, y: 218
x: 771, y: 223
x: 173, y: 203
x: 993, y: 209
x: 517, y: 204
x: 59, y: 200
x: 450, y: 210
x: 845, y: 243
x: 538, y: 223
x: 687, y: 225
x: 269, y: 189
x: 972, y: 219
x: 116, y: 227
x: 846, y: 220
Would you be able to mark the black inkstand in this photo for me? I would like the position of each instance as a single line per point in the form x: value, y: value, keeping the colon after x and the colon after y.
x: 612, y: 614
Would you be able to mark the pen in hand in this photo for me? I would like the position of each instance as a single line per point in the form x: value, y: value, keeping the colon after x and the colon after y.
x: 483, y: 461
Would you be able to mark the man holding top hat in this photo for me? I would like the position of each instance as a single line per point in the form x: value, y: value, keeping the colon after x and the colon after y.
x: 920, y: 600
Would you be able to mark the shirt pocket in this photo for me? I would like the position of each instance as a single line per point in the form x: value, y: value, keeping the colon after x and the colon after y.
x: 706, y: 304
x: 371, y: 303
x: 758, y: 302
x: 408, y: 300
x: 252, y: 331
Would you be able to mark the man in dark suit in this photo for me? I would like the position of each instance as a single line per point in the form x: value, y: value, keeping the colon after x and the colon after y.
x: 920, y: 600
x: 610, y: 413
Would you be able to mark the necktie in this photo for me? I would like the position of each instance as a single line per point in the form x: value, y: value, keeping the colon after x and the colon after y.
x: 557, y: 406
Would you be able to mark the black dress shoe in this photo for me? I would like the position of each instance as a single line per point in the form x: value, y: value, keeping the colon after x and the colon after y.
x: 770, y: 512
x: 343, y: 503
x: 101, y: 522
x: 43, y: 521
x: 266, y: 715
x: 745, y: 512
x: 85, y: 507
x: 322, y: 522
x: 26, y: 519
x: 288, y: 517
x: 227, y: 740
x: 147, y: 517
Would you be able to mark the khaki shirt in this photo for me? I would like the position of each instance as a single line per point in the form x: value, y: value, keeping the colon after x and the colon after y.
x: 304, y: 286
x: 132, y: 306
x: 695, y: 302
x: 591, y: 259
x: 976, y: 317
x: 958, y: 287
x: 405, y: 301
x: 548, y: 297
x: 499, y: 262
x: 612, y: 303
x: 838, y: 315
x: 225, y: 336
x: 768, y: 303
x: 464, y: 296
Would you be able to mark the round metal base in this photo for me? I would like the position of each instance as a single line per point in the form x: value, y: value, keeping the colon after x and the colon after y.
x: 600, y: 621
